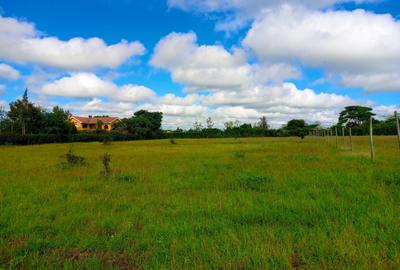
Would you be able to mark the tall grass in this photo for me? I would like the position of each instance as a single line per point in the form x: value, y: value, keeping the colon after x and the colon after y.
x: 279, y: 204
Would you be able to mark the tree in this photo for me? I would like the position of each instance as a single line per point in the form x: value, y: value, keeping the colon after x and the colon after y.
x: 57, y: 122
x: 99, y: 125
x: 210, y: 123
x: 26, y: 114
x: 197, y: 126
x: 297, y: 127
x: 144, y: 124
x: 263, y: 123
x: 355, y: 115
x: 3, y: 117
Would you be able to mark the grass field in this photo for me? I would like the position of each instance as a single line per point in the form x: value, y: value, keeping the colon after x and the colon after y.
x: 262, y: 203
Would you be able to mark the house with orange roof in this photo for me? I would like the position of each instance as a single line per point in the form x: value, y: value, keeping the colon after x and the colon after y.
x: 91, y: 122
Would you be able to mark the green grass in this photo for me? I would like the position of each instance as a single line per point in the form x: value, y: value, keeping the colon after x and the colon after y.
x: 263, y: 203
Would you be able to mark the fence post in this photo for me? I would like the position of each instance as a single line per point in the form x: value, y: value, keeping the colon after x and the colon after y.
x: 344, y: 140
x: 336, y: 137
x: 371, y: 139
x: 396, y: 116
x: 329, y: 137
x: 351, y: 140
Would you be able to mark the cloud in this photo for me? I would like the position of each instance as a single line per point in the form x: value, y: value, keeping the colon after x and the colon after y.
x: 285, y: 95
x: 200, y: 67
x: 361, y: 47
x: 279, y: 103
x: 97, y: 106
x: 88, y: 85
x: 234, y: 14
x: 8, y: 72
x: 249, y: 5
x: 210, y: 67
x: 21, y: 42
x: 229, y: 88
x: 373, y: 82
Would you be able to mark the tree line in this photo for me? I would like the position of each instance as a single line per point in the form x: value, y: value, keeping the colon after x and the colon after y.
x: 28, y: 123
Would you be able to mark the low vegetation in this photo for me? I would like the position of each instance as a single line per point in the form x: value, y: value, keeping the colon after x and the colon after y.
x: 261, y: 203
x: 26, y: 123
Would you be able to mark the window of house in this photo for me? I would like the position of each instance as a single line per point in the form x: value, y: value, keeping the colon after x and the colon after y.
x: 84, y: 125
x: 105, y: 126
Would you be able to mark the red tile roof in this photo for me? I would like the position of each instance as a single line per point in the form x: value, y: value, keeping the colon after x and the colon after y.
x: 93, y: 120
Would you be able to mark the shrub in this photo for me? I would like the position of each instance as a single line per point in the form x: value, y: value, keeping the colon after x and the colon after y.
x: 73, y: 159
x: 254, y: 182
x: 172, y: 141
x: 106, y: 159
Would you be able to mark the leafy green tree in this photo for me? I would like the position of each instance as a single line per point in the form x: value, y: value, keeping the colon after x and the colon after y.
x: 297, y: 127
x: 99, y: 125
x: 56, y: 122
x: 26, y: 115
x: 3, y: 119
x: 355, y: 115
x: 263, y: 123
x: 144, y: 124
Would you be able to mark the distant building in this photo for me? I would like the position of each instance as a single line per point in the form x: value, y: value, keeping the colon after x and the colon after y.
x: 90, y: 123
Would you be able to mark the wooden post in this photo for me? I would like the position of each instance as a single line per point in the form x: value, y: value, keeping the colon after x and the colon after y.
x: 351, y: 140
x: 371, y: 139
x: 329, y: 135
x: 336, y: 137
x: 344, y: 140
x: 396, y: 116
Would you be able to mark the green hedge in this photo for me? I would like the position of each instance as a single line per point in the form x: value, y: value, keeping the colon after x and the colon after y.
x: 60, y: 138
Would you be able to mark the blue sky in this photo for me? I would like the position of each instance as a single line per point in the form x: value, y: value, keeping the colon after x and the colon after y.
x: 240, y: 59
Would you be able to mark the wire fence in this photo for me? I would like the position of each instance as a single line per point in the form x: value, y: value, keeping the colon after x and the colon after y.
x: 334, y: 134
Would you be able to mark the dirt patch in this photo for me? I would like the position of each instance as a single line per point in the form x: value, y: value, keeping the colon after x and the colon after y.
x: 297, y: 262
x: 118, y: 260
x: 77, y: 254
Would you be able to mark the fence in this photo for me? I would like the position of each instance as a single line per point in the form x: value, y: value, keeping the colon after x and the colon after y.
x: 328, y: 134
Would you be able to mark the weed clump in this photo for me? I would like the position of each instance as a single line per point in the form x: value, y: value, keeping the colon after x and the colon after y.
x: 72, y: 159
x: 389, y: 177
x: 254, y: 182
x: 173, y: 141
x: 106, y: 160
x: 125, y: 177
x: 239, y: 154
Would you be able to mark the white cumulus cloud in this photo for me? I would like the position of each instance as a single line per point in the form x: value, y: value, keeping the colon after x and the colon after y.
x: 233, y: 14
x: 361, y: 47
x: 8, y: 72
x: 88, y: 85
x: 211, y: 67
x: 21, y: 42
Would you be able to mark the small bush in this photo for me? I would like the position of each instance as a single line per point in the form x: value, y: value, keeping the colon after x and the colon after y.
x: 389, y: 177
x: 73, y: 159
x: 106, y: 159
x: 254, y: 182
x: 124, y: 177
x: 172, y: 141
